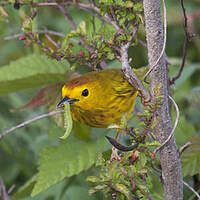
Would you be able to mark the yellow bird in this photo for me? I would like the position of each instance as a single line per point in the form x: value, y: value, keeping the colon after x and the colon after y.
x: 99, y: 98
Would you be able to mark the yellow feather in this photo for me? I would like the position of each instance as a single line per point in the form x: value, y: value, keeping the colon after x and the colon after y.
x: 110, y: 96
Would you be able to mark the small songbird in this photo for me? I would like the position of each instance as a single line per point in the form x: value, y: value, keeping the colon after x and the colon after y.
x: 99, y: 98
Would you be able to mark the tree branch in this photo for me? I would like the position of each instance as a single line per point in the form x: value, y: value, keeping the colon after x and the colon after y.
x: 67, y: 16
x: 3, y: 192
x: 192, y: 189
x: 164, y: 43
x: 35, y: 32
x: 186, y: 40
x: 35, y: 4
x: 94, y: 14
x: 128, y: 72
x: 4, y: 133
x: 169, y: 156
x: 52, y: 41
x: 184, y: 147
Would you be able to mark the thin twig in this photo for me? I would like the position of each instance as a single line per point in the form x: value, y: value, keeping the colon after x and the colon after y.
x: 11, y: 188
x: 186, y: 40
x: 175, y: 125
x: 113, y: 16
x: 97, y: 10
x: 94, y: 14
x: 164, y: 42
x: 93, y: 17
x: 192, y: 189
x: 144, y: 44
x: 3, y: 192
x: 63, y: 3
x: 67, y: 16
x: 36, y: 32
x: 34, y: 4
x: 185, y: 146
x: 28, y: 122
x: 80, y: 5
x: 52, y: 41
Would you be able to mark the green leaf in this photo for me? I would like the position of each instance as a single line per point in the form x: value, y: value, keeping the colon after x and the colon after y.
x: 124, y: 190
x: 69, y: 158
x: 194, y: 97
x: 77, y: 192
x: 55, y: 192
x: 81, y: 131
x: 191, y: 158
x: 186, y: 74
x: 183, y: 131
x: 31, y: 71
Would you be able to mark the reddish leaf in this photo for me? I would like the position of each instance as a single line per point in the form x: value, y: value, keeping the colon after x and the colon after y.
x: 49, y: 96
x: 45, y: 96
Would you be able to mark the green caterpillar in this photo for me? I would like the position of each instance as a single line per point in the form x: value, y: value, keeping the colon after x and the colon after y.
x: 68, y: 123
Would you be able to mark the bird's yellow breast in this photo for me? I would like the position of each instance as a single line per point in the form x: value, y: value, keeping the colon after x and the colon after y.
x: 106, y: 98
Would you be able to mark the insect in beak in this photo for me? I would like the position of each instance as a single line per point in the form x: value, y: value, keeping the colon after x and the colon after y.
x: 66, y: 99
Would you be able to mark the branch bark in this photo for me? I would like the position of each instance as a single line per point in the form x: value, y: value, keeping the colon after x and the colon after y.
x: 169, y: 156
x: 3, y: 192
x: 4, y: 133
x: 130, y: 75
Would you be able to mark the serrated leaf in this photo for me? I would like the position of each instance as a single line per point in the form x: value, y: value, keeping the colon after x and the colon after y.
x: 31, y: 71
x: 124, y: 190
x: 191, y: 158
x: 69, y: 158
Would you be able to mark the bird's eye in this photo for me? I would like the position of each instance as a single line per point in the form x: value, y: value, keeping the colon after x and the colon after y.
x: 85, y: 93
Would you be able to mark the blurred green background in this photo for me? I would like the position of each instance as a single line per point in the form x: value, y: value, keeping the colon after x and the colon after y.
x: 19, y: 151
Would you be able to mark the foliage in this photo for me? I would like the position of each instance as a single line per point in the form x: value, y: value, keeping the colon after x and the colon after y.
x: 191, y: 158
x: 125, y: 178
x: 79, y: 156
x: 31, y: 71
x: 130, y: 175
x: 63, y: 166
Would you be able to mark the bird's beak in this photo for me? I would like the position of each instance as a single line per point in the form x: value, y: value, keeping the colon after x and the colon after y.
x: 66, y: 99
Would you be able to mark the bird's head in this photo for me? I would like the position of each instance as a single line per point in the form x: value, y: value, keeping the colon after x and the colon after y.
x: 79, y: 92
